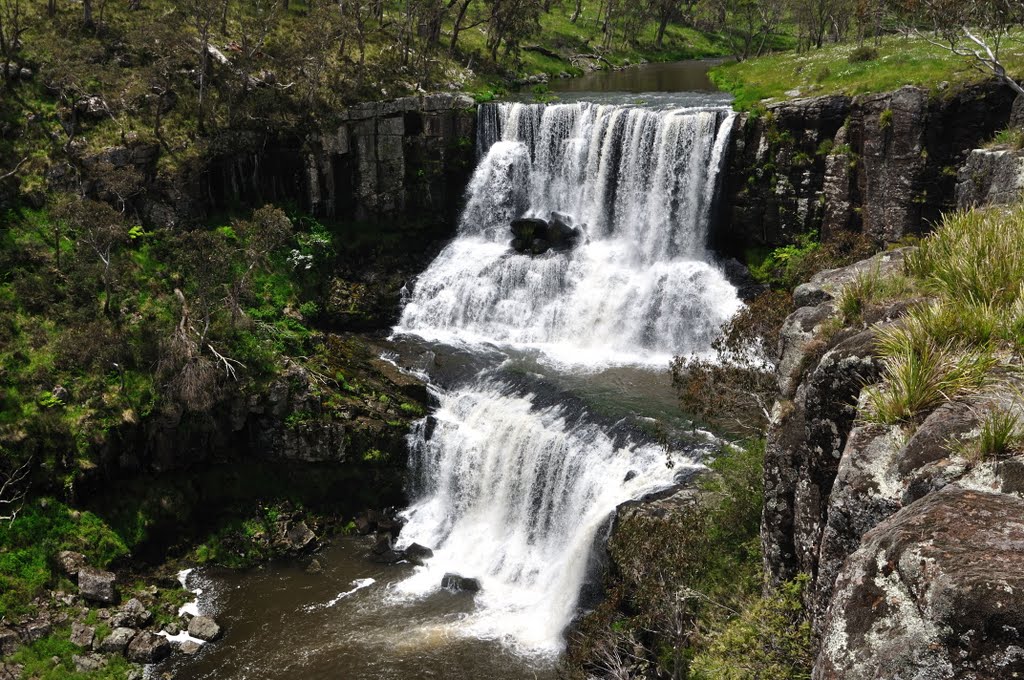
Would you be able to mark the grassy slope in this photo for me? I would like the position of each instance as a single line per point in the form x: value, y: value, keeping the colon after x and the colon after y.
x: 901, y: 61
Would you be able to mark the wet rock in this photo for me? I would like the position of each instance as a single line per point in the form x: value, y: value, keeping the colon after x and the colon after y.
x: 204, y: 628
x: 457, y: 583
x: 116, y: 642
x: 314, y: 567
x: 539, y: 246
x: 366, y: 522
x: 96, y: 585
x: 418, y: 554
x: 390, y: 523
x: 148, y: 647
x: 747, y: 288
x: 189, y: 647
x: 935, y: 591
x: 561, y: 233
x: 383, y: 551
x: 82, y: 635
x: 132, y: 615
x: 69, y: 563
x: 529, y: 228
x: 89, y: 663
x: 172, y: 628
x: 299, y: 537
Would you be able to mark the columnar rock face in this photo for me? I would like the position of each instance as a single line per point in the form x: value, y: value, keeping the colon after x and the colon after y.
x: 885, y: 164
x: 400, y: 158
x: 913, y: 544
x: 991, y: 177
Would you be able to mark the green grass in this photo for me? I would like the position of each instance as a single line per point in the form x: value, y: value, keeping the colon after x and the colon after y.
x: 31, y: 542
x: 38, y: 661
x: 871, y: 288
x: 836, y: 69
x: 1000, y: 434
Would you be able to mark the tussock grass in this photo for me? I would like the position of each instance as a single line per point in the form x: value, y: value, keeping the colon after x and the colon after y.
x: 920, y: 374
x: 1011, y: 138
x: 1000, y: 434
x: 973, y: 269
x: 869, y: 288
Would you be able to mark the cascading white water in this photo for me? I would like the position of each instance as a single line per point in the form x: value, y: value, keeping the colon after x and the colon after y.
x: 514, y: 494
x: 639, y: 290
x: 506, y: 490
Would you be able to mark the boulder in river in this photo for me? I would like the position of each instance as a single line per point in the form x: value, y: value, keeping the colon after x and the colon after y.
x: 204, y: 628
x: 148, y: 647
x: 529, y: 228
x: 116, y: 642
x: 457, y: 583
x: 418, y: 554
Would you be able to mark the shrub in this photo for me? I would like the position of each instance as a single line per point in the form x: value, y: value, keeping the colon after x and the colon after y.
x: 1000, y: 435
x: 862, y: 54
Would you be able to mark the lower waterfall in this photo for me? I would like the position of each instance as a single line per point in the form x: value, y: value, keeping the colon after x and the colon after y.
x: 512, y: 489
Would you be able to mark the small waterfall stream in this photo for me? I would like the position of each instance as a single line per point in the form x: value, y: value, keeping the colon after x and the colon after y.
x: 508, y: 488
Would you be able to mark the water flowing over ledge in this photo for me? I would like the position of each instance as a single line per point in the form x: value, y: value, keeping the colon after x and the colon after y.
x: 641, y: 287
x: 515, y: 494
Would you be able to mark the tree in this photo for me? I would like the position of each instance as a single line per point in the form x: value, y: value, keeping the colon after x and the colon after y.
x: 509, y: 23
x: 11, y: 29
x: 974, y: 30
x: 98, y: 228
x: 13, y: 486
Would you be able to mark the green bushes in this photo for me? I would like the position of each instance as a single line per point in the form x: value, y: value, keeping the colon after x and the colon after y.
x: 686, y: 601
x: 51, y: 658
x: 29, y: 544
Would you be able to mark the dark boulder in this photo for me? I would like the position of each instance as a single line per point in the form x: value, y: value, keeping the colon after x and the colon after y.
x: 97, y: 586
x: 383, y: 551
x: 418, y: 554
x: 148, y: 647
x: 529, y: 228
x: 539, y: 246
x: 561, y: 234
x: 457, y: 583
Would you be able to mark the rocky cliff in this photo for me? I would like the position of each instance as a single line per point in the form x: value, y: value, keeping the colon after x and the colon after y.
x: 914, y: 546
x: 884, y: 164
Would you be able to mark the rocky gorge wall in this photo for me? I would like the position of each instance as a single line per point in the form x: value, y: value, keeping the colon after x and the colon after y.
x: 882, y: 164
x: 914, y: 550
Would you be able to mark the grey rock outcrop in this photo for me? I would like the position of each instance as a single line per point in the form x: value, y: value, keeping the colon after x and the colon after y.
x: 990, y: 177
x: 881, y: 164
x: 839, y: 490
x: 935, y: 591
x: 117, y: 641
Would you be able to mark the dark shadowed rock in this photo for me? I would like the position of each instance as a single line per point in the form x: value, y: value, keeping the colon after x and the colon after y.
x: 529, y: 228
x: 935, y: 591
x: 9, y: 642
x: 457, y: 583
x: 299, y: 537
x: 418, y: 554
x: 204, y: 628
x: 133, y: 614
x: 148, y: 647
x: 97, y: 585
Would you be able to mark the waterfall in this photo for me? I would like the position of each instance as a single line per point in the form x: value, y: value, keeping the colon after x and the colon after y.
x: 640, y: 184
x: 513, y: 494
x: 507, y: 488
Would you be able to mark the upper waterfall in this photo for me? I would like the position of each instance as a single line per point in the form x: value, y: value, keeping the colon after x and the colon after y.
x: 640, y: 185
